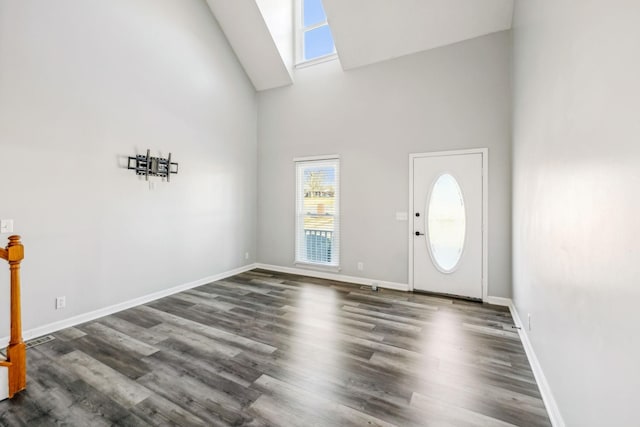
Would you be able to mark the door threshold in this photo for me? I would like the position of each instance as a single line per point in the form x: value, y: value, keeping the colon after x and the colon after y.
x: 452, y: 296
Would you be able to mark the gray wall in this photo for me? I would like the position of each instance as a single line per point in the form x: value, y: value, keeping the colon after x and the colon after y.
x: 576, y: 210
x: 83, y: 84
x: 451, y: 98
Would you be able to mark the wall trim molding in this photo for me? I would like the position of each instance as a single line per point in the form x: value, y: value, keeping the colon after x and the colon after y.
x: 333, y: 276
x: 396, y: 286
x: 101, y: 312
x: 505, y: 302
x: 545, y: 390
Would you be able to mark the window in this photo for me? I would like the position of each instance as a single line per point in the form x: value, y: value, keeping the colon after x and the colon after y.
x: 314, y: 35
x: 446, y: 223
x: 317, y: 212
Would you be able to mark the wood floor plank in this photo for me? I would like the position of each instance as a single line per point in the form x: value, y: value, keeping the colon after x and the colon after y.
x: 220, y: 336
x: 193, y: 396
x: 158, y: 411
x: 144, y: 335
x: 312, y: 408
x: 276, y: 349
x: 69, y: 334
x: 442, y: 414
x: 96, y: 347
x: 123, y: 342
x: 126, y: 392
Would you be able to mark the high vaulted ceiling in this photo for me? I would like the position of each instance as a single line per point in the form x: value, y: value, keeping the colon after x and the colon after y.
x: 370, y: 31
x: 261, y: 34
x: 365, y: 31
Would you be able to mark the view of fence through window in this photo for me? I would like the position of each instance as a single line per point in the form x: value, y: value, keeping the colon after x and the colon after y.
x: 317, y: 207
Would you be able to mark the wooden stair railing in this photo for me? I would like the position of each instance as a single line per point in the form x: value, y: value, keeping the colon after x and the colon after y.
x: 16, y: 352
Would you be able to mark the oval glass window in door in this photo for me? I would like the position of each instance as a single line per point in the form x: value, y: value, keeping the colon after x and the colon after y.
x: 446, y: 223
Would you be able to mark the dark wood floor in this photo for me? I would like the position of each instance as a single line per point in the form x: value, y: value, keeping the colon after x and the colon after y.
x: 265, y: 348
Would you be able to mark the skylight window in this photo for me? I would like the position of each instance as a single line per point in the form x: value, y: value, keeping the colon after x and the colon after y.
x: 315, y: 40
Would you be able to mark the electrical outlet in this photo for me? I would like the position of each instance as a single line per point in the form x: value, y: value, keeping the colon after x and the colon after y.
x: 529, y: 321
x: 246, y: 255
x: 61, y: 302
x: 6, y: 226
x: 360, y: 266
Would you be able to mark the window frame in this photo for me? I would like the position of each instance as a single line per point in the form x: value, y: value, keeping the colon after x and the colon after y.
x: 299, y: 216
x: 301, y: 62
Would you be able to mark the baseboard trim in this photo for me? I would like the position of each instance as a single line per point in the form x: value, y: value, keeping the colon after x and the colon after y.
x: 333, y: 276
x: 92, y: 315
x: 322, y: 274
x: 505, y: 302
x: 545, y: 390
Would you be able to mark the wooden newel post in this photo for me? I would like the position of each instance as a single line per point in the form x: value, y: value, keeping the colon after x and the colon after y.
x: 16, y: 352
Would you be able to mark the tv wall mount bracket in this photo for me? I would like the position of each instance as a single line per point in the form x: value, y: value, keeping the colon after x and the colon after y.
x: 153, y: 166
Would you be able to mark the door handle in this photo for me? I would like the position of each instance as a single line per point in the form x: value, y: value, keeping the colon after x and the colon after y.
x: 417, y: 214
x: 419, y: 233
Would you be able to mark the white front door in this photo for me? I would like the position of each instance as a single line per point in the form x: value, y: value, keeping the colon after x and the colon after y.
x: 447, y: 220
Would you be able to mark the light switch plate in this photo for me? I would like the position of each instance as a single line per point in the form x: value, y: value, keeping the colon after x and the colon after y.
x: 6, y: 226
x: 402, y: 216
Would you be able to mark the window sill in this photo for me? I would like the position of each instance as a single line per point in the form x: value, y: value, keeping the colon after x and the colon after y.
x: 315, y: 61
x: 319, y: 267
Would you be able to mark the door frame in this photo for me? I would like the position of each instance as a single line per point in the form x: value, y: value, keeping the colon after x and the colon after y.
x: 485, y: 210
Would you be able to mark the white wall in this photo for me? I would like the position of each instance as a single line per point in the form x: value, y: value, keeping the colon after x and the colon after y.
x: 84, y: 84
x: 576, y: 209
x: 450, y: 98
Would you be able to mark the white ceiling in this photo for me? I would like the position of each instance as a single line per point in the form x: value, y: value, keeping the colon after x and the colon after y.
x: 365, y: 31
x: 369, y: 31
